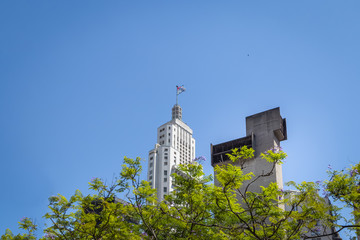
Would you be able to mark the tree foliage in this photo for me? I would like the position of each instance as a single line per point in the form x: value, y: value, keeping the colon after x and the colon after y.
x: 197, y: 209
x: 344, y: 186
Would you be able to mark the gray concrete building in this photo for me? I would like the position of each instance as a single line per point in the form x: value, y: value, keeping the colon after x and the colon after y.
x: 264, y: 131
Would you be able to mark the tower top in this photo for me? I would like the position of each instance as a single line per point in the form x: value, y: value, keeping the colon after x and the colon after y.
x: 176, y: 112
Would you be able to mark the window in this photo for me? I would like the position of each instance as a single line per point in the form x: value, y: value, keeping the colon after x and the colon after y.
x: 150, y: 178
x: 165, y: 163
x: 165, y: 172
x: 165, y: 157
x: 169, y: 134
x: 165, y: 179
x: 151, y: 158
x: 165, y: 189
x: 151, y: 164
x: 166, y: 150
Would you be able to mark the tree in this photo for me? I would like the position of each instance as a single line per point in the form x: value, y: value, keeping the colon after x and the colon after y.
x: 344, y: 186
x: 25, y: 224
x: 197, y: 209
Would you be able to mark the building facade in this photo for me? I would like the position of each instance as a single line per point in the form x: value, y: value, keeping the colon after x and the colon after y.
x: 175, y: 145
x: 264, y: 131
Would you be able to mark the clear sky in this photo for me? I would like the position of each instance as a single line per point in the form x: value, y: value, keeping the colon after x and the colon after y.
x: 85, y: 83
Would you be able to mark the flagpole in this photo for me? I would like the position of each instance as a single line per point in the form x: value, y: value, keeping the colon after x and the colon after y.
x: 176, y: 98
x: 178, y: 91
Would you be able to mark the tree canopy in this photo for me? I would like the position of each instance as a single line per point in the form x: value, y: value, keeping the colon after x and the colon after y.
x: 197, y: 209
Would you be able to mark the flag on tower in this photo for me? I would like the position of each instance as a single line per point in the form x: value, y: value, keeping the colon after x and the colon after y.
x: 179, y: 89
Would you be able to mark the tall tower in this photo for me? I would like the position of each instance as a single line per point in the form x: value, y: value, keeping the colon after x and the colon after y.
x: 264, y: 131
x: 175, y: 145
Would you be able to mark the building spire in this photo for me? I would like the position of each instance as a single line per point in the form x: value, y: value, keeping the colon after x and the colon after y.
x: 176, y: 112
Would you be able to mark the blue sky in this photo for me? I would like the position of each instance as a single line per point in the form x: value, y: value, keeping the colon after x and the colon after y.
x: 85, y: 83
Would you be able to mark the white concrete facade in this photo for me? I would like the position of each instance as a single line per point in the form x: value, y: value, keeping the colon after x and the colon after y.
x: 175, y: 145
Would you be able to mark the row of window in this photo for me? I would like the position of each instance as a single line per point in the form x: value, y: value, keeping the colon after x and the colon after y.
x: 163, y: 142
x: 150, y: 178
x: 165, y: 157
x: 165, y: 163
x: 163, y: 129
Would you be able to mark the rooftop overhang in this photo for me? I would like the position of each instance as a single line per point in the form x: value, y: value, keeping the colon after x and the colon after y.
x: 219, y: 151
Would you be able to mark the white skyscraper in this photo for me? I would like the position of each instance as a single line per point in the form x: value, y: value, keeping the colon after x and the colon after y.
x: 175, y: 145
